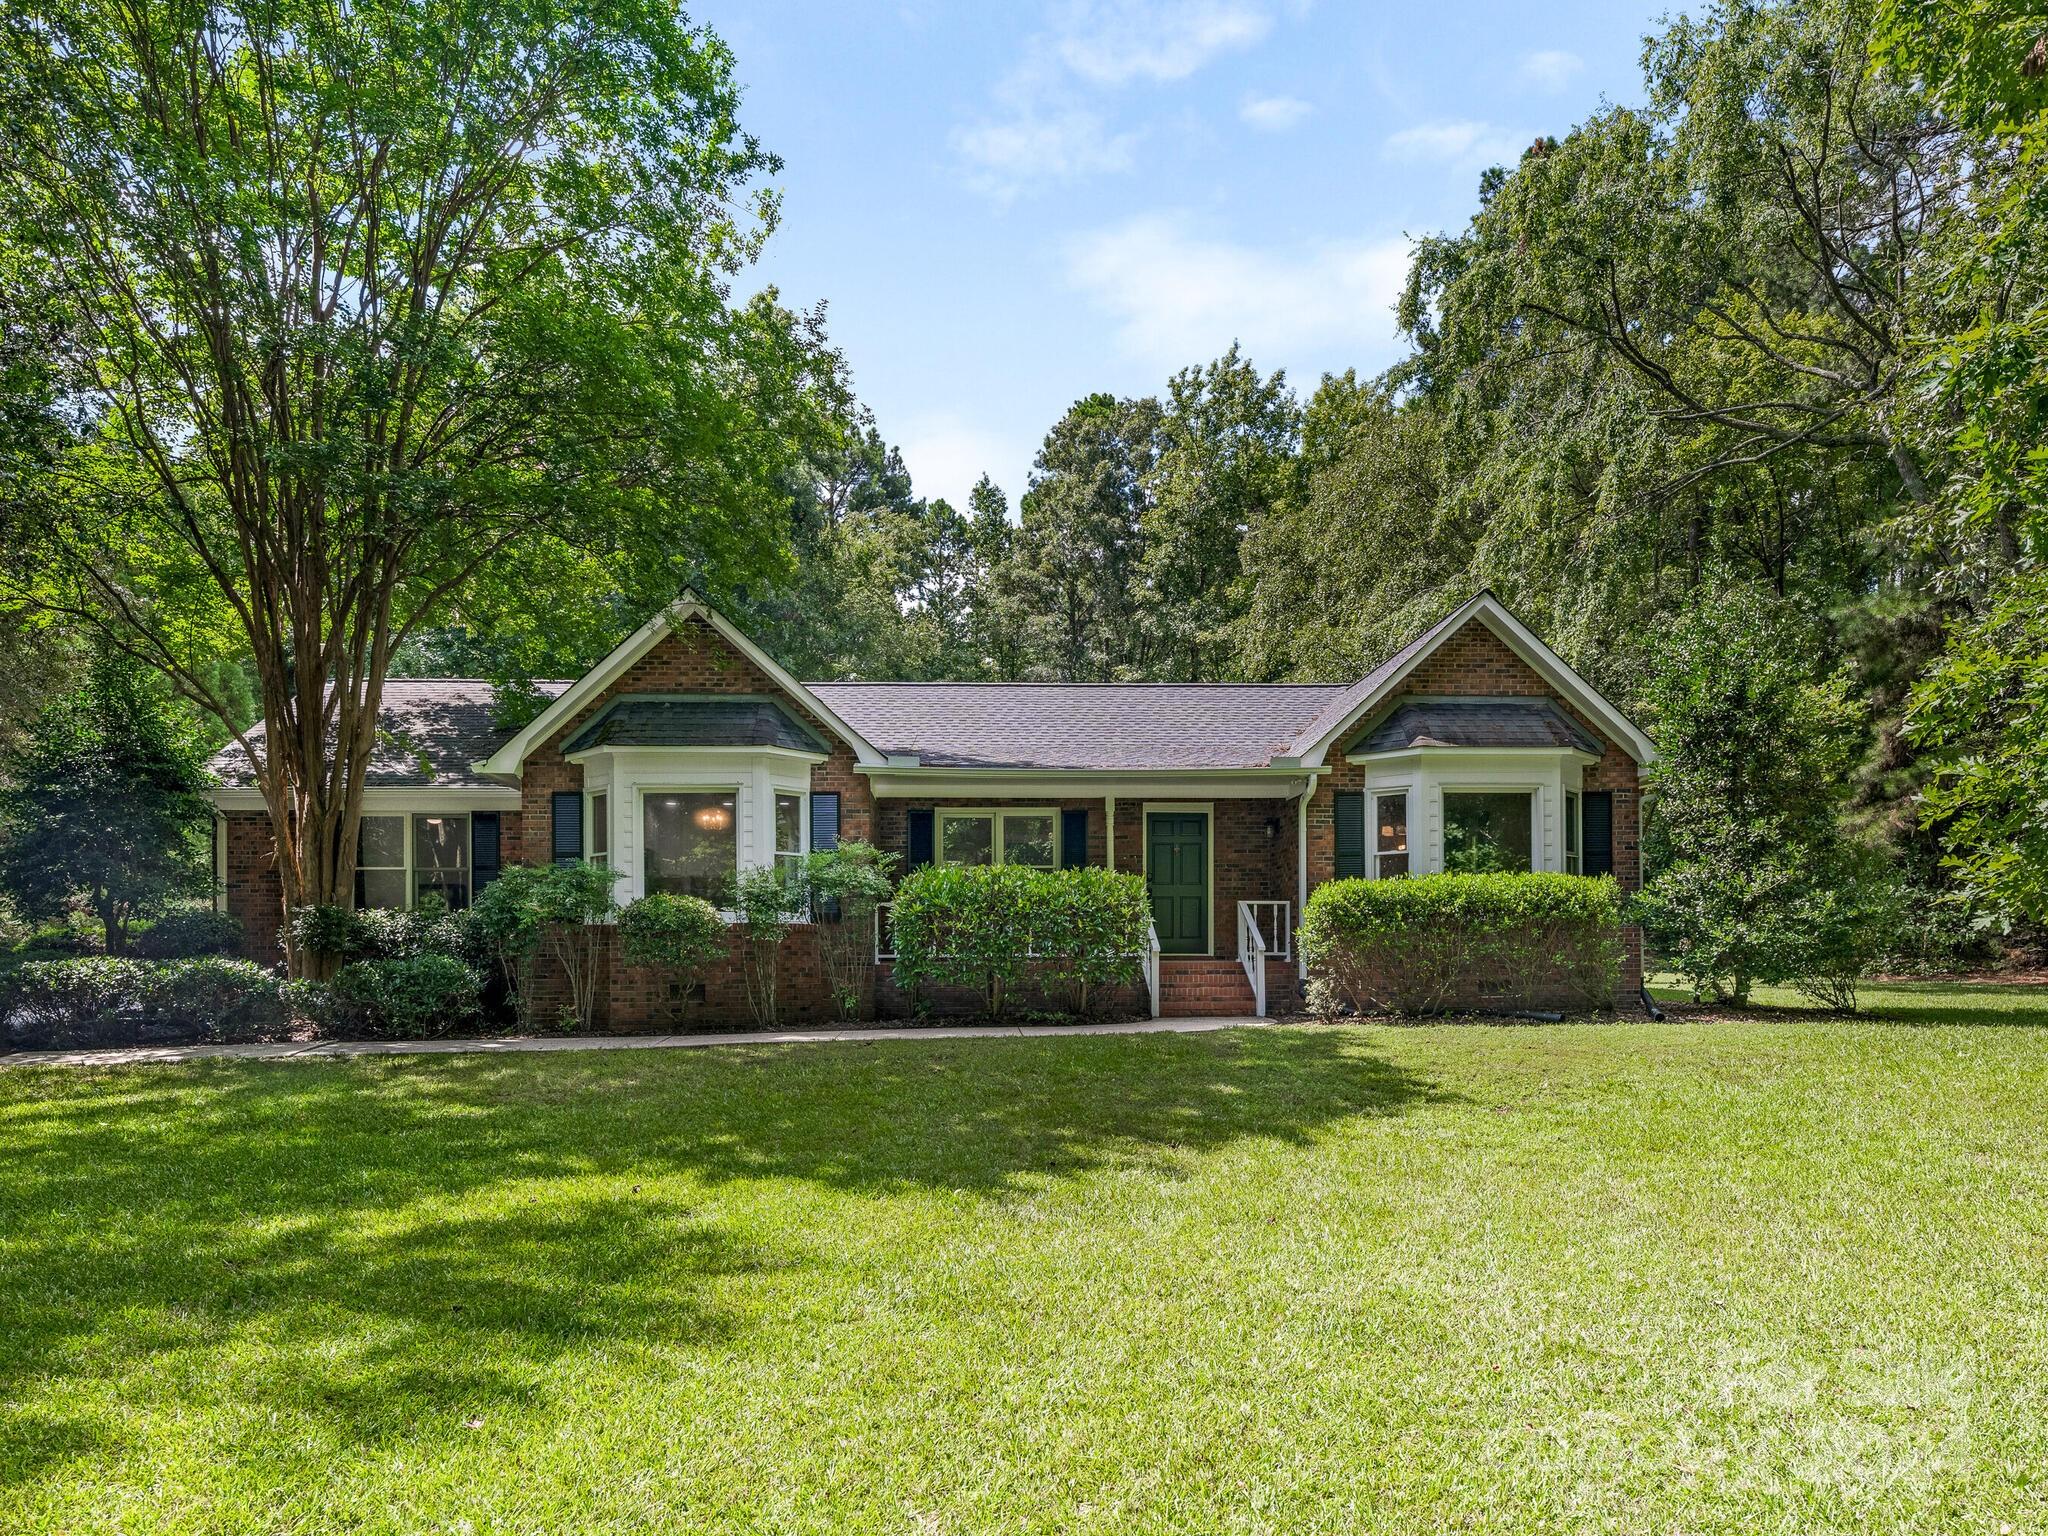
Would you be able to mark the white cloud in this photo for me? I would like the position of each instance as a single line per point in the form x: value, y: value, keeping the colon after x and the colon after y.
x: 1551, y: 68
x: 1112, y: 42
x: 1177, y: 297
x: 1050, y: 124
x: 1463, y: 143
x: 1273, y: 114
x: 946, y: 453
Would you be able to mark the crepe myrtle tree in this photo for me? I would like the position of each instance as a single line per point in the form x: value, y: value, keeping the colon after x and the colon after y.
x: 362, y: 317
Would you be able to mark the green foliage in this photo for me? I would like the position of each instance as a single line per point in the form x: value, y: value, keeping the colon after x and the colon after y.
x: 184, y: 933
x: 531, y: 912
x: 767, y: 904
x: 1986, y: 707
x: 1090, y: 925
x: 845, y: 885
x: 992, y: 927
x: 330, y: 931
x: 105, y: 1000
x: 414, y: 997
x: 1750, y: 876
x: 103, y: 805
x: 681, y: 935
x: 1425, y: 945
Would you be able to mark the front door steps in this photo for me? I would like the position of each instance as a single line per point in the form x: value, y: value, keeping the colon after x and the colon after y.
x: 1192, y: 987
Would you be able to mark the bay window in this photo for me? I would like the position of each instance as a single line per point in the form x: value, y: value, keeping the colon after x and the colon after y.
x: 789, y: 835
x: 691, y: 842
x: 1571, y: 832
x: 998, y: 837
x: 1488, y: 831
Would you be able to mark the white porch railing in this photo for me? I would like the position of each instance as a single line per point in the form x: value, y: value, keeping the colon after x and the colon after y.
x: 1276, y: 922
x: 1151, y: 963
x: 1251, y: 954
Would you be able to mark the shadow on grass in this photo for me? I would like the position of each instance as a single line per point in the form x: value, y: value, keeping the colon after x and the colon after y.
x: 1912, y: 1004
x: 400, y: 1242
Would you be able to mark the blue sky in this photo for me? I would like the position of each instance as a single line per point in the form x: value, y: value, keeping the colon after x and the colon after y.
x: 1008, y: 206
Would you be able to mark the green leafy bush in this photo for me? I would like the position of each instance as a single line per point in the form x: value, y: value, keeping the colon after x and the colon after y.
x: 1423, y: 945
x: 328, y: 933
x: 682, y: 935
x: 186, y: 932
x: 846, y: 885
x: 993, y: 927
x: 550, y: 910
x: 415, y: 997
x: 102, y: 1000
x: 767, y: 904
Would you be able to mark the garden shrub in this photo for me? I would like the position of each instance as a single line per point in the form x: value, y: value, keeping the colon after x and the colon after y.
x: 767, y: 903
x: 682, y: 935
x: 103, y: 1000
x: 1091, y: 926
x: 846, y: 885
x: 328, y: 934
x: 185, y: 932
x: 413, y: 997
x: 991, y: 927
x: 553, y: 910
x: 1425, y: 945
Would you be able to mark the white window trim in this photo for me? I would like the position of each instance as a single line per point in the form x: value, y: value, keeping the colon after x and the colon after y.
x: 1207, y: 810
x: 997, y: 814
x: 740, y: 812
x: 411, y: 864
x: 1572, y: 833
x: 1373, y: 855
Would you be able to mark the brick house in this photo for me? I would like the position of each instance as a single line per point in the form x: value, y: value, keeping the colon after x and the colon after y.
x: 688, y: 753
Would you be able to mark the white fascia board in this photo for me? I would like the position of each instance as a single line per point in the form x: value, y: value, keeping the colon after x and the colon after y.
x: 508, y: 758
x: 1539, y: 657
x: 390, y: 798
x: 643, y: 754
x: 1469, y: 752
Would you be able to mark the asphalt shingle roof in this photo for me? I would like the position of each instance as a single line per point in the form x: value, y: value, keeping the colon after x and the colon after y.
x: 429, y: 733
x: 655, y: 722
x: 1476, y: 723
x: 1080, y: 725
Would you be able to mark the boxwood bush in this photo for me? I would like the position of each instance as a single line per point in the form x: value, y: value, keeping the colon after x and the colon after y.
x: 1442, y: 941
x: 185, y: 933
x: 99, y: 1000
x: 993, y: 927
x: 411, y: 997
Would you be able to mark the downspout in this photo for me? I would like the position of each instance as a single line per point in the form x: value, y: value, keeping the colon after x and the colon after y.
x: 1308, y: 790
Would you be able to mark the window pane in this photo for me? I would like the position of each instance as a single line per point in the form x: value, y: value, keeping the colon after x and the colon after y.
x: 966, y: 839
x: 383, y: 888
x: 380, y: 842
x: 789, y: 824
x: 1393, y: 864
x: 1028, y: 840
x: 440, y: 859
x: 600, y: 828
x: 692, y: 844
x: 1393, y: 823
x: 1486, y: 833
x: 1571, y: 833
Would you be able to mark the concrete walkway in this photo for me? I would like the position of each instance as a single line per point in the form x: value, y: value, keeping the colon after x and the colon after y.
x: 329, y: 1049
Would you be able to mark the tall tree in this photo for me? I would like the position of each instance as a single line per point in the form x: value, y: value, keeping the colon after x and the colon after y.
x: 370, y: 310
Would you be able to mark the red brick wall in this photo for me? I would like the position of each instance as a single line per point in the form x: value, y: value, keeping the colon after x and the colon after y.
x: 254, y: 890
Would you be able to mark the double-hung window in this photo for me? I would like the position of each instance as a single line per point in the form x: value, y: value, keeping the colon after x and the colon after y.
x: 1390, y: 835
x: 380, y: 862
x: 998, y: 837
x: 404, y: 860
x: 600, y: 840
x: 789, y: 835
x: 1572, y: 862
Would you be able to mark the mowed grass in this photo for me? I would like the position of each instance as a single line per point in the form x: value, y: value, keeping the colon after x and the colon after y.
x: 1776, y: 1276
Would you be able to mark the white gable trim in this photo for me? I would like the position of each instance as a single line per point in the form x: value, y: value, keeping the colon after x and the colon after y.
x: 508, y: 758
x: 1540, y: 659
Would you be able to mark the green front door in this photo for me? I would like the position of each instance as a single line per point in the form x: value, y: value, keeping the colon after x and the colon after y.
x: 1177, y: 871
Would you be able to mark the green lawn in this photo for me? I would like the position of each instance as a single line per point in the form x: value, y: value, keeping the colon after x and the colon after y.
x: 1764, y: 1276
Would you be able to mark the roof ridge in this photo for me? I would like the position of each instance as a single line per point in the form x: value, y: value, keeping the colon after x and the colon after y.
x: 985, y: 682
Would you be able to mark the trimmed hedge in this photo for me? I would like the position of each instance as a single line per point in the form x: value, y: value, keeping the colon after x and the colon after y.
x: 412, y: 997
x: 1437, y: 942
x: 186, y: 933
x: 994, y: 927
x: 98, y: 1000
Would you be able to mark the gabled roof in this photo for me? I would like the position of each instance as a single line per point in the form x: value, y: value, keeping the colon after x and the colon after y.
x: 507, y: 758
x: 1343, y: 713
x: 1080, y: 726
x: 431, y: 734
x: 713, y: 720
x: 1474, y: 722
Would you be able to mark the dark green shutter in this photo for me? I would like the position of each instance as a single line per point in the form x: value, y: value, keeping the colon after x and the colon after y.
x: 824, y: 819
x: 1596, y: 831
x: 483, y: 849
x: 568, y: 813
x: 1350, y: 834
x: 1073, y: 839
x: 920, y: 849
